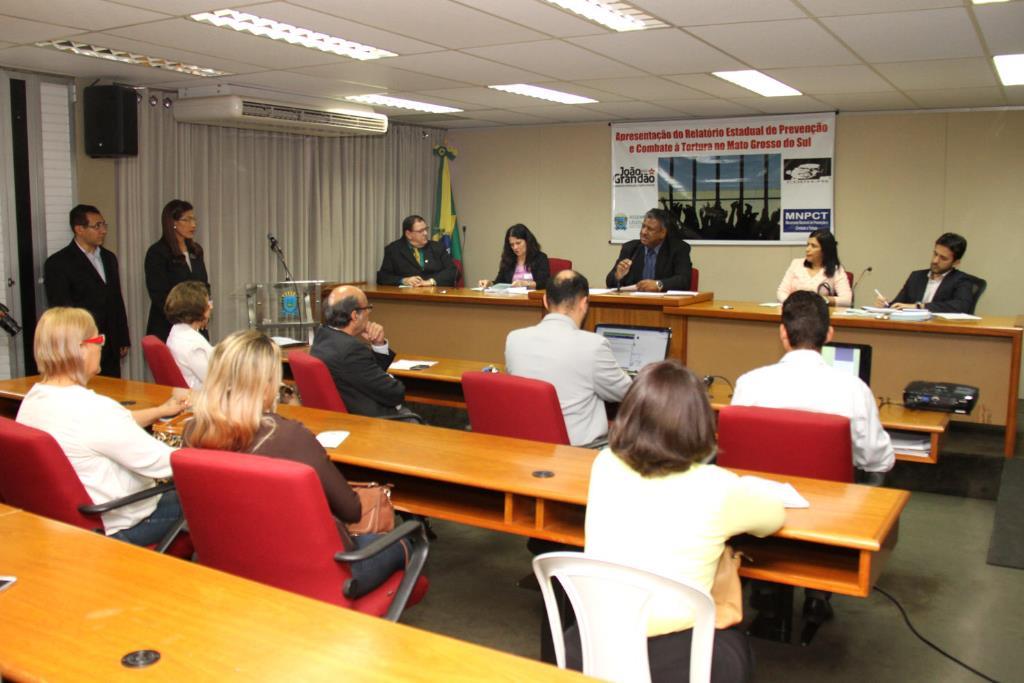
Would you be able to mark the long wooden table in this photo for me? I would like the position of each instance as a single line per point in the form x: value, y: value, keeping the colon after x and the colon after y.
x: 839, y: 544
x: 83, y: 601
x: 463, y: 323
x: 731, y: 337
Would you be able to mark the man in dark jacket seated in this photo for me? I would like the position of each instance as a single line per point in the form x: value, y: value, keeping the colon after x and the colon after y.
x: 357, y: 354
x: 414, y: 260
x: 653, y: 263
x: 941, y: 288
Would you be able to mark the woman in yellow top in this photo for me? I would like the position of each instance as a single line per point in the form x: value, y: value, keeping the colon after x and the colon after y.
x: 657, y: 447
x: 819, y: 271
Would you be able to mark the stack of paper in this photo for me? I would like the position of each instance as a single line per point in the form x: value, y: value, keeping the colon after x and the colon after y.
x: 407, y: 364
x: 783, y: 491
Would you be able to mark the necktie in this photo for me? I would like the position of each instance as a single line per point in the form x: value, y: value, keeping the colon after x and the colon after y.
x: 650, y: 259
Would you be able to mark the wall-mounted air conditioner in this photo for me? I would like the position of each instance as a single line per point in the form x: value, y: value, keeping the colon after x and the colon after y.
x: 235, y: 111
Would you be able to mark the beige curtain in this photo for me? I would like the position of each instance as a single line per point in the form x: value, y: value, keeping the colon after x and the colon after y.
x: 333, y: 203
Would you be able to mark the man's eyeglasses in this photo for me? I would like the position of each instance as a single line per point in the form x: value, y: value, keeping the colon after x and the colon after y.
x: 367, y: 307
x: 102, y: 225
x: 99, y: 340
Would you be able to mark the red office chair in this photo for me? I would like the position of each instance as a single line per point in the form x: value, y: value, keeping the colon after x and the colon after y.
x: 783, y: 441
x: 557, y: 265
x: 316, y: 388
x: 460, y: 275
x: 694, y: 280
x: 36, y: 476
x: 793, y: 442
x: 161, y: 363
x: 505, y: 405
x: 267, y: 520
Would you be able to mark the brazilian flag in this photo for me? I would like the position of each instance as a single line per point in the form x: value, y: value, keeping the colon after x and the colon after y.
x: 445, y: 229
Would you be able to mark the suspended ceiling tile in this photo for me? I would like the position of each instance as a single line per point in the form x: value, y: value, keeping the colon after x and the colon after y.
x: 775, y: 44
x: 377, y: 74
x: 91, y: 15
x: 908, y: 36
x: 712, y: 85
x: 537, y: 15
x: 566, y: 113
x: 975, y: 72
x: 638, y: 110
x: 697, y: 12
x: 326, y: 22
x: 463, y: 67
x: 785, y: 105
x: 1002, y: 26
x: 831, y: 79
x: 440, y: 22
x: 24, y: 31
x: 713, y: 108
x: 506, y: 117
x: 646, y: 88
x: 556, y: 59
x: 828, y: 8
x: 139, y: 47
x: 660, y: 51
x: 962, y: 97
x: 867, y: 101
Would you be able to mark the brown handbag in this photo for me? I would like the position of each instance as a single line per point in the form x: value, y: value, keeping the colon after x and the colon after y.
x: 378, y: 512
x: 726, y: 590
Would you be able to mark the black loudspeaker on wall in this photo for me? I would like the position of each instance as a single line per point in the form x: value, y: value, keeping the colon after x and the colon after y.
x: 111, y: 115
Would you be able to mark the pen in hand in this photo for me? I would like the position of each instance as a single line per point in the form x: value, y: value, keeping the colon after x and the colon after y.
x: 881, y: 297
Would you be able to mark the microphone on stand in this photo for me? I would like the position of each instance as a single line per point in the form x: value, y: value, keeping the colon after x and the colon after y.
x: 853, y: 290
x: 274, y: 247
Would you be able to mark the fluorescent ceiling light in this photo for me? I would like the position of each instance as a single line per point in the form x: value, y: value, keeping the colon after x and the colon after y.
x: 125, y: 57
x: 303, y: 37
x: 386, y: 101
x: 605, y: 13
x: 758, y: 82
x: 987, y: 2
x: 1010, y: 68
x: 542, y: 93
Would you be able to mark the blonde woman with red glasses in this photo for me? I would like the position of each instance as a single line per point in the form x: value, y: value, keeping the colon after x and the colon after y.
x: 104, y: 441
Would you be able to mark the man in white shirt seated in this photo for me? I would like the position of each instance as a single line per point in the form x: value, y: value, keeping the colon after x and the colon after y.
x: 803, y: 381
x: 579, y: 364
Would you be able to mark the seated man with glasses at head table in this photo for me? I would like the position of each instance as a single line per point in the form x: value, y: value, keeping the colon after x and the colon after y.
x: 415, y: 260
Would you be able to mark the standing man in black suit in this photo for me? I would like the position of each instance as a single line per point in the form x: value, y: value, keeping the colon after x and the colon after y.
x: 653, y: 263
x: 357, y: 354
x: 415, y: 260
x: 941, y: 287
x: 84, y: 275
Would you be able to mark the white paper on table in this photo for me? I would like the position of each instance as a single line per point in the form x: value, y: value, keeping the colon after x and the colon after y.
x: 287, y: 341
x: 784, y: 491
x: 648, y: 293
x: 680, y: 292
x: 910, y: 441
x: 332, y: 439
x: 602, y: 290
x: 407, y: 364
x: 770, y: 304
x: 506, y: 289
x: 627, y: 288
x: 957, y: 316
x: 878, y: 309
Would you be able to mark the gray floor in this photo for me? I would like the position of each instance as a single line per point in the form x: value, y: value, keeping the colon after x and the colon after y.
x: 937, y: 572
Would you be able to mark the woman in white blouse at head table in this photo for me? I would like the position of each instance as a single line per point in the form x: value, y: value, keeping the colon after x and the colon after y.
x: 819, y: 271
x: 105, y: 443
x: 188, y: 308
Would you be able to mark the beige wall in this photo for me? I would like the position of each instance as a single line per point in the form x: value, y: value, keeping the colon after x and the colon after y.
x: 95, y: 176
x: 901, y: 180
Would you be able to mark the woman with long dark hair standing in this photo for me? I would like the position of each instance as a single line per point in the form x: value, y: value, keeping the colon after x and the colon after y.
x: 175, y: 257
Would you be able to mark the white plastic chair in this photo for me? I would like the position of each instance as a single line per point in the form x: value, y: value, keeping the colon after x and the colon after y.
x: 611, y: 602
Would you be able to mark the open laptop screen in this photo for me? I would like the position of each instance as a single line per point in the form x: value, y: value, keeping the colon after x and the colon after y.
x: 635, y: 346
x: 853, y: 358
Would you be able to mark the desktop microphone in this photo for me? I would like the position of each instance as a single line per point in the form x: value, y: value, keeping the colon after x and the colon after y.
x: 853, y: 290
x: 273, y: 243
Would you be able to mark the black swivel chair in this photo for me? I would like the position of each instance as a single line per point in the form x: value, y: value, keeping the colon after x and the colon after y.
x: 978, y: 286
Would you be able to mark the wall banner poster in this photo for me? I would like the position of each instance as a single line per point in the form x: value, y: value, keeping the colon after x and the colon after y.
x: 754, y: 180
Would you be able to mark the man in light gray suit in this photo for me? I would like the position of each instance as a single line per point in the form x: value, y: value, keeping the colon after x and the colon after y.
x: 579, y: 364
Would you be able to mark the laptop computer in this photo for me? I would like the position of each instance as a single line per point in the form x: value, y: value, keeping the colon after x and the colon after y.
x: 635, y: 346
x: 852, y: 358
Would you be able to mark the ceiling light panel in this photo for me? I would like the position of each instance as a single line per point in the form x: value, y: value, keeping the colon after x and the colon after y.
x: 1010, y: 68
x: 400, y: 103
x: 542, y: 93
x: 110, y: 54
x: 294, y: 35
x: 758, y: 82
x: 617, y: 16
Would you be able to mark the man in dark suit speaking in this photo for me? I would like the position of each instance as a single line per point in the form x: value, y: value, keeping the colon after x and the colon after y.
x: 653, y: 263
x: 941, y: 287
x: 414, y: 260
x: 357, y: 354
x: 84, y: 275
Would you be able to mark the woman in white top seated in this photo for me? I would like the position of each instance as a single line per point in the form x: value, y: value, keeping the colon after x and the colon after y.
x: 105, y: 442
x: 819, y: 271
x: 658, y: 444
x: 188, y: 308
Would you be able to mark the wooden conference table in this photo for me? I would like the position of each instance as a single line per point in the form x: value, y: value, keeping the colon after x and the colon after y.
x: 83, y: 601
x: 728, y: 338
x: 839, y: 544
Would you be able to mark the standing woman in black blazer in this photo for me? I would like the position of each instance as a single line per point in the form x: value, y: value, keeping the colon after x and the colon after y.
x: 174, y: 258
x: 522, y: 264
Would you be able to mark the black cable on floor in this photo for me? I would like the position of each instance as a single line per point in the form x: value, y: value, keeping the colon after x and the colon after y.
x: 929, y: 643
